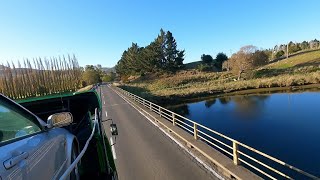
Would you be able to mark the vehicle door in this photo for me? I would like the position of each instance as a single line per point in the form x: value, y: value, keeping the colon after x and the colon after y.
x: 27, y: 150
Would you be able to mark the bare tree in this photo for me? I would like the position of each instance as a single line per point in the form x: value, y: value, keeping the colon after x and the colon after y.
x: 247, y: 58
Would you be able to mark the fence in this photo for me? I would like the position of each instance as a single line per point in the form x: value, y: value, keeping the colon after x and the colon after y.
x: 258, y: 161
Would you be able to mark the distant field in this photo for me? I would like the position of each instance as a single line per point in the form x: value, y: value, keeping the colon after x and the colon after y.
x: 306, y: 59
x: 192, y: 65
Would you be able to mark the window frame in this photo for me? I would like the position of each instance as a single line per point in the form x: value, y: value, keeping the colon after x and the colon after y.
x: 24, y: 112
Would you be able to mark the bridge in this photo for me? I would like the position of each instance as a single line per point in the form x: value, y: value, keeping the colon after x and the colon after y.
x: 156, y: 143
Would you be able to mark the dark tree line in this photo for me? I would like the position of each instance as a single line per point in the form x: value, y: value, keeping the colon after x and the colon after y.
x: 207, y: 62
x: 161, y: 55
x: 40, y: 77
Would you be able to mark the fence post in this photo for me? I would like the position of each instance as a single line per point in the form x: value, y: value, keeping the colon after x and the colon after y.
x: 173, y: 119
x: 235, y: 153
x: 195, y: 131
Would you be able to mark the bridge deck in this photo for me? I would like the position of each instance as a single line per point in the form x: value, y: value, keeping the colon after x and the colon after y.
x: 142, y: 150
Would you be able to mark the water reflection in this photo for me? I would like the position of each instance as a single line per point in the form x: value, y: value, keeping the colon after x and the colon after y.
x: 224, y: 100
x: 284, y: 125
x: 246, y: 107
x: 209, y: 103
x: 183, y: 110
x: 249, y: 107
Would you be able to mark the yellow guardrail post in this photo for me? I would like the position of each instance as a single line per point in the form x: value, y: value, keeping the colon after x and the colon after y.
x: 173, y: 119
x: 195, y: 131
x: 235, y: 153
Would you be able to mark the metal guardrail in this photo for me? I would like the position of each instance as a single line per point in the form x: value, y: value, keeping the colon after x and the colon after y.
x: 220, y: 142
x: 76, y: 161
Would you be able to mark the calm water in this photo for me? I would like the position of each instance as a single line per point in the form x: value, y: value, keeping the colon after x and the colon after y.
x: 283, y: 125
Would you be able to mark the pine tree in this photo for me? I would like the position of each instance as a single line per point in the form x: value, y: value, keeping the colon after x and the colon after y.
x: 160, y: 55
x: 170, y: 52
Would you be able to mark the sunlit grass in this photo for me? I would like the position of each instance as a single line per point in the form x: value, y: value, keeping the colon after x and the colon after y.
x: 310, y: 57
x: 173, y: 85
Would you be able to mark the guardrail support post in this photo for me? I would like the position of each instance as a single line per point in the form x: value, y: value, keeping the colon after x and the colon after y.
x: 235, y: 153
x: 173, y: 120
x: 150, y: 106
x: 160, y: 111
x: 195, y: 131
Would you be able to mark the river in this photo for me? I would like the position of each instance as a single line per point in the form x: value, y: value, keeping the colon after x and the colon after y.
x: 283, y: 125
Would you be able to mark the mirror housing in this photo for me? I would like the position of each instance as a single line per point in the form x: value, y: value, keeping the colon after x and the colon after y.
x: 59, y: 119
x: 113, y: 129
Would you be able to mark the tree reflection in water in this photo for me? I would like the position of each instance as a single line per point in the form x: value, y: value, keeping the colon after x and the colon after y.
x: 248, y: 107
x: 245, y: 106
x: 209, y: 103
x: 224, y: 100
x: 182, y: 110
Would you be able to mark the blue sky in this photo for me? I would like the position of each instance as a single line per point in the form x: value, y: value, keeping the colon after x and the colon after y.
x: 97, y: 32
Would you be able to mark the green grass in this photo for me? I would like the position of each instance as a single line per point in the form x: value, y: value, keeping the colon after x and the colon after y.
x: 308, y: 58
x: 176, y: 87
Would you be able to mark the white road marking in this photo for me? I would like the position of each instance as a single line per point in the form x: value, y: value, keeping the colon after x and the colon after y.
x: 113, y: 149
x: 115, y: 104
x: 106, y: 113
x: 104, y: 102
x: 171, y: 137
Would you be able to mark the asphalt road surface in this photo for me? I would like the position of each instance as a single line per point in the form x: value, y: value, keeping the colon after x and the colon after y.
x: 141, y: 150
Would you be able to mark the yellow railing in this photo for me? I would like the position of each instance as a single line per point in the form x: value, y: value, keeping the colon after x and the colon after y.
x: 231, y: 149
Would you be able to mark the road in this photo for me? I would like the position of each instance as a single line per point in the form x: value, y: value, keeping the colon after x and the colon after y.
x: 141, y: 150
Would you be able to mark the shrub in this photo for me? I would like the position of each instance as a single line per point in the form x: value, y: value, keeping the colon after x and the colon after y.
x: 279, y: 54
x: 204, y: 67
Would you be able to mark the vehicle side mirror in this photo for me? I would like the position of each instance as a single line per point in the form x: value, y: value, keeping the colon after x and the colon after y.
x: 113, y: 129
x: 59, y: 119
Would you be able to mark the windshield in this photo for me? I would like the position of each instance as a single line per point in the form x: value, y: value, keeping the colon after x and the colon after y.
x: 14, y: 122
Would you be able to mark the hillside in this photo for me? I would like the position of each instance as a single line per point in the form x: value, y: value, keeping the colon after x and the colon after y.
x: 192, y: 65
x: 300, y: 60
x: 108, y: 70
x: 302, y: 69
x: 17, y: 71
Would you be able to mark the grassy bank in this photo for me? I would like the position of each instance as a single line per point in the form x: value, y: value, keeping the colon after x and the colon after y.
x: 304, y: 59
x: 287, y: 73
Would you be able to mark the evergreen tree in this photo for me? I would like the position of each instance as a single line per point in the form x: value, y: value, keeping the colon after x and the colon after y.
x: 160, y: 55
x: 179, y: 59
x: 206, y: 58
x: 220, y: 58
x: 304, y: 45
x: 159, y: 50
x: 170, y: 52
